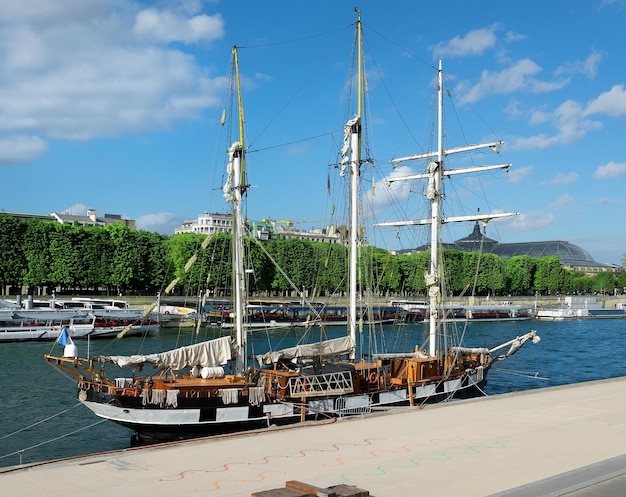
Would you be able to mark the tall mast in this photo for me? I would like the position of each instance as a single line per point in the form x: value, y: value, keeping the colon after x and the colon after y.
x: 234, y: 191
x: 240, y: 113
x: 435, y: 173
x: 355, y: 165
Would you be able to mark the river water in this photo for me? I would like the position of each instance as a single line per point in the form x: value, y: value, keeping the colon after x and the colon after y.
x: 41, y: 419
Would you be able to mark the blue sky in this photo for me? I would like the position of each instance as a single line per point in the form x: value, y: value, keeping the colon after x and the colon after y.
x: 114, y: 105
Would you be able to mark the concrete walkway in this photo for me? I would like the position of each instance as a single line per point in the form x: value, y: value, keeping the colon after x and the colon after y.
x: 543, y: 442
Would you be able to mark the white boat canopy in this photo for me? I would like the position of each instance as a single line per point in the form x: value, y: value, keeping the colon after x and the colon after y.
x: 212, y: 353
x: 326, y: 348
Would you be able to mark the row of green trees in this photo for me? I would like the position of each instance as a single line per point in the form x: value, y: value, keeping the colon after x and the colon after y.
x: 42, y: 256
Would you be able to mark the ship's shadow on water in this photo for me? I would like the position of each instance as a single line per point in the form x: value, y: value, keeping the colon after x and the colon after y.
x: 42, y: 420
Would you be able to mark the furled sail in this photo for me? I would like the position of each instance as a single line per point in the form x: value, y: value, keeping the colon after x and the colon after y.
x: 515, y: 344
x: 211, y: 353
x: 326, y: 348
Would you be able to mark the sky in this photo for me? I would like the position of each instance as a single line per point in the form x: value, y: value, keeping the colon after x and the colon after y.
x: 115, y: 105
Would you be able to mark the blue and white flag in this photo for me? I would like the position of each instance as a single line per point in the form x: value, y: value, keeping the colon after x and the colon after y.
x: 64, y: 337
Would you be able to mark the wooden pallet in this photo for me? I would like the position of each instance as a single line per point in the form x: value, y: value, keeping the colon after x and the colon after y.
x: 298, y: 489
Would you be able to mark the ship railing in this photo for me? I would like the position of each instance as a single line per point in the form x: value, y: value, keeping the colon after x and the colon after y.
x: 348, y: 407
x: 338, y: 383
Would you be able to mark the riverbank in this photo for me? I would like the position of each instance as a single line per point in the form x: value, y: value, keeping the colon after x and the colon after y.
x: 554, y: 441
x: 43, y: 420
x: 608, y: 301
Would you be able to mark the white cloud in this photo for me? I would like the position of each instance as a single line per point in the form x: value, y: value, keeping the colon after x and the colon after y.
x: 517, y: 77
x: 19, y: 149
x: 587, y: 67
x: 570, y: 123
x: 612, y: 103
x: 562, y: 179
x: 564, y: 200
x: 539, y: 116
x: 511, y: 37
x: 531, y: 221
x: 475, y: 42
x: 160, y: 222
x: 168, y: 26
x: 606, y: 201
x: 610, y: 170
x: 52, y: 10
x: 76, y: 70
x: 76, y: 210
x: 382, y: 193
x: 536, y: 142
x: 298, y: 149
x: 518, y: 174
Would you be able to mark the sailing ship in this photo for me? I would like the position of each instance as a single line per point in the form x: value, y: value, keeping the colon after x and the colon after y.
x: 190, y: 394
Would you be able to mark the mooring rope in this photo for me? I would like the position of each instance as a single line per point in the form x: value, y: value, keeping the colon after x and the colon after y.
x: 39, y: 422
x: 21, y: 451
x: 526, y: 374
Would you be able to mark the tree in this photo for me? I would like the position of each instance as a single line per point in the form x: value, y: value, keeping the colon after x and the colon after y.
x: 379, y: 271
x: 36, y: 245
x: 493, y: 268
x: 40, y: 254
x: 180, y: 249
x: 64, y: 266
x: 125, y: 261
x: 459, y: 269
x: 603, y: 282
x: 13, y: 264
x: 263, y: 269
x: 331, y: 261
x: 296, y: 258
x: 621, y: 282
x: 96, y: 255
x: 413, y: 267
x: 545, y: 276
x: 151, y: 274
x: 218, y: 264
x: 581, y: 283
x: 520, y: 271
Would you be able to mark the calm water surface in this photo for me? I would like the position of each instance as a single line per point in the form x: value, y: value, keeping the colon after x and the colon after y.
x: 42, y: 420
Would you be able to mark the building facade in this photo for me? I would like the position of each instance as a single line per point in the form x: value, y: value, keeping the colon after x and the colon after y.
x: 91, y: 219
x: 207, y: 224
x: 264, y: 230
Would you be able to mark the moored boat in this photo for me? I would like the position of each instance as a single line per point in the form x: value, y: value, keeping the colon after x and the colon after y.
x: 289, y: 316
x: 23, y: 326
x: 82, y: 317
x: 580, y: 307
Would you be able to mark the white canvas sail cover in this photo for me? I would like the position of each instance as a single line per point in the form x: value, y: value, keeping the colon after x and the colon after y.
x: 205, y: 354
x: 347, y: 134
x: 326, y: 348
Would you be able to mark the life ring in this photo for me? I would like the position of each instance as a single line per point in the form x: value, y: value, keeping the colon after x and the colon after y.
x: 373, y: 377
x: 305, y: 386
